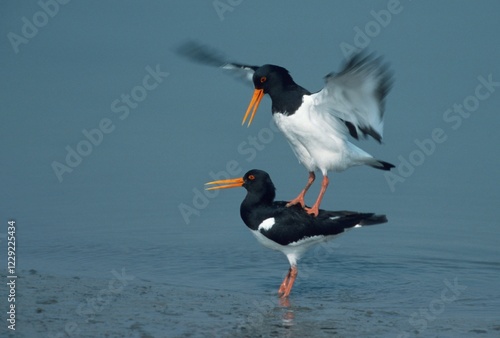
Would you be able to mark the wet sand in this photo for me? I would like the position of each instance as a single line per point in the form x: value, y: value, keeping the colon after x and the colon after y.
x: 127, y: 306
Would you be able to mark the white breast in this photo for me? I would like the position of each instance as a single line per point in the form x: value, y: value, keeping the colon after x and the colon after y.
x: 293, y: 251
x: 318, y: 139
x: 314, y: 136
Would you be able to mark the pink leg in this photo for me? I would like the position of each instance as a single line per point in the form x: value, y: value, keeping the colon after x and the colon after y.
x: 292, y: 274
x: 300, y: 198
x: 314, y: 210
x: 285, y: 283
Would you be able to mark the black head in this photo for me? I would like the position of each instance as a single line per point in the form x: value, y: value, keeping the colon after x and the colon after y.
x: 277, y: 82
x: 260, y: 188
x: 258, y: 184
x: 257, y: 180
x: 271, y: 77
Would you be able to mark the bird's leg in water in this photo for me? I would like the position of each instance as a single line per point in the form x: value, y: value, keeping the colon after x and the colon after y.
x: 286, y: 286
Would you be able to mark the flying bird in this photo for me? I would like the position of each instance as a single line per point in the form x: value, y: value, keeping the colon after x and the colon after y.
x: 317, y: 125
x: 290, y: 230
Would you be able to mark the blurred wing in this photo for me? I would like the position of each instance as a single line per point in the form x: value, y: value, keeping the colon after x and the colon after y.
x: 202, y: 54
x: 356, y: 96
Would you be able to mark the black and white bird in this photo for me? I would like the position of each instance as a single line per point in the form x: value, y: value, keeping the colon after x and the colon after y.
x: 317, y: 125
x: 290, y: 230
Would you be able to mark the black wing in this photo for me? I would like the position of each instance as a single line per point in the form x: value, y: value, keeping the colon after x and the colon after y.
x: 293, y: 224
x: 205, y: 55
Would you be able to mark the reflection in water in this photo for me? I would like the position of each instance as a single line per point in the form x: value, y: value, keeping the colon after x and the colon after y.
x: 288, y: 315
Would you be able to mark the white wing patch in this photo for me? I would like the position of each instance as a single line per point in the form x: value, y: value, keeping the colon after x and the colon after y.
x: 267, y: 224
x: 242, y: 71
x: 357, y: 95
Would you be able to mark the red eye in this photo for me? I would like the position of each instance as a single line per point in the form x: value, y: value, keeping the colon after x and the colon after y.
x: 263, y: 79
x: 251, y: 177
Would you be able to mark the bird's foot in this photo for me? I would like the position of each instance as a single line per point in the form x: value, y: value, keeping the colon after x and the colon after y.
x: 298, y: 200
x: 314, y: 211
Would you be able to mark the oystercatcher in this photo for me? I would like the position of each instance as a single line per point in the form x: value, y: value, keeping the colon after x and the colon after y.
x: 290, y: 230
x: 317, y: 124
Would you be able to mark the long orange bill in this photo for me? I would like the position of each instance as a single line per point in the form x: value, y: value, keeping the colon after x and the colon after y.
x: 258, y: 94
x: 229, y: 183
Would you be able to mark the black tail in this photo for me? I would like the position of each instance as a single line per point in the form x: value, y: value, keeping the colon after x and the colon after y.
x: 382, y: 165
x: 374, y: 219
x: 353, y: 216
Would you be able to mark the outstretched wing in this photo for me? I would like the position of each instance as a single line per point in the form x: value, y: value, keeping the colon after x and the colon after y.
x: 202, y: 54
x: 356, y: 95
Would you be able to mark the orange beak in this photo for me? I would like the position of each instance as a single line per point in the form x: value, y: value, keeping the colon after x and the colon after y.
x: 258, y: 94
x: 229, y: 183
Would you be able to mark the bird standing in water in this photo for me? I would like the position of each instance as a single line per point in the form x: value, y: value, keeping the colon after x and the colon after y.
x: 288, y: 229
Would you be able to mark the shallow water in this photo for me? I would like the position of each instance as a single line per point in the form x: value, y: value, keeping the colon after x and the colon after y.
x: 416, y: 278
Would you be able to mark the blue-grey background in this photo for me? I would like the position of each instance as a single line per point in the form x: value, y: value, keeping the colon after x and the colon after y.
x: 135, y: 200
